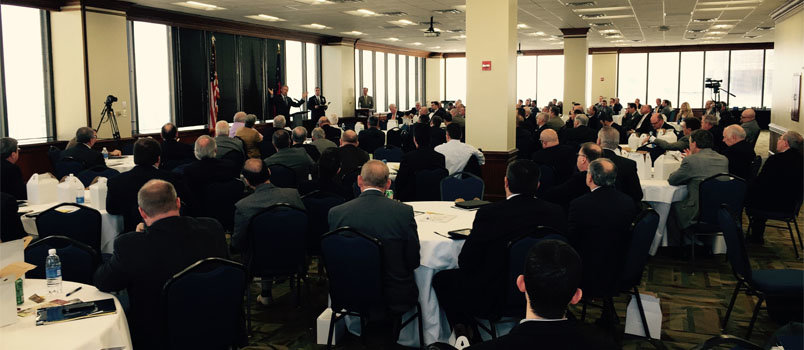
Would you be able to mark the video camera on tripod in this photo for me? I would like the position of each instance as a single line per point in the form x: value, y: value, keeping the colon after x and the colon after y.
x: 715, y: 86
x: 108, y: 114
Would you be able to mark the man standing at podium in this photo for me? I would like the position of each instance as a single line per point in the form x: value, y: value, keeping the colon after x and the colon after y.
x: 365, y: 101
x: 283, y: 102
x: 317, y: 105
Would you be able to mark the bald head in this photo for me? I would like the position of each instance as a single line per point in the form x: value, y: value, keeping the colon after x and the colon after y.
x: 349, y: 137
x: 748, y: 115
x: 549, y: 138
x: 205, y: 147
x: 323, y: 121
x: 733, y: 134
x: 374, y: 174
x: 157, y: 199
x: 656, y: 120
x: 299, y: 135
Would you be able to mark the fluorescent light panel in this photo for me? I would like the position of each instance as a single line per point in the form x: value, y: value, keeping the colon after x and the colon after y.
x: 354, y: 32
x: 602, y: 9
x: 732, y: 2
x: 608, y: 17
x: 315, y: 26
x: 391, y: 39
x: 718, y: 9
x: 267, y: 18
x: 199, y: 5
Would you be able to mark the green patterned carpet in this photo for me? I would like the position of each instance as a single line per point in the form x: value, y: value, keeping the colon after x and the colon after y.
x: 693, y: 302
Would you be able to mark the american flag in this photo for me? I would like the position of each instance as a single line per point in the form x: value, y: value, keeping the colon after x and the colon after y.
x: 214, y: 90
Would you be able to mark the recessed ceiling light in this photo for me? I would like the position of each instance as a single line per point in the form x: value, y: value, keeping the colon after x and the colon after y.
x: 621, y: 41
x: 697, y: 30
x: 314, y: 2
x: 416, y: 43
x: 602, y: 9
x: 367, y: 12
x: 435, y: 47
x: 602, y: 24
x: 718, y: 9
x: 607, y: 31
x: 537, y: 34
x: 550, y: 39
x: 722, y: 26
x: 602, y: 16
x: 315, y: 26
x: 403, y: 22
x: 717, y: 33
x: 391, y: 39
x: 710, y: 38
x: 614, y: 36
x: 362, y: 13
x: 394, y: 13
x: 354, y: 32
x: 751, y: 36
x: 729, y: 3
x: 580, y: 3
x: 522, y: 26
x: 199, y: 5
x: 557, y: 43
x: 263, y: 17
x: 448, y: 11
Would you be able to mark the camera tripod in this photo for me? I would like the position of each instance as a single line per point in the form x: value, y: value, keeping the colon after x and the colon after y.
x: 108, y: 114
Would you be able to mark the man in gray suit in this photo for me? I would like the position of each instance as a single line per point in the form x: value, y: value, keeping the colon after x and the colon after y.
x: 365, y: 101
x: 749, y: 124
x: 225, y: 143
x: 320, y: 140
x: 265, y: 195
x: 701, y: 162
x: 395, y: 228
x: 292, y: 157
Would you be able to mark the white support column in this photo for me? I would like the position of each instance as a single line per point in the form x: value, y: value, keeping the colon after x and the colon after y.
x: 576, y: 49
x: 337, y: 74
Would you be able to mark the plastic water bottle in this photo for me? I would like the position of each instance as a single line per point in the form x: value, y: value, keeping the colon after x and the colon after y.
x: 53, y: 272
x: 105, y: 153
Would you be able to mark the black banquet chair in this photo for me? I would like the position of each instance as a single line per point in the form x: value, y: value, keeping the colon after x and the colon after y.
x: 462, y: 185
x: 354, y: 269
x: 67, y: 166
x: 394, y: 138
x: 82, y: 224
x: 764, y: 284
x: 218, y: 201
x: 283, y: 176
x: 203, y: 306
x: 318, y: 203
x: 428, y: 184
x: 788, y: 217
x: 643, y: 232
x: 713, y: 191
x: 388, y: 153
x: 78, y: 260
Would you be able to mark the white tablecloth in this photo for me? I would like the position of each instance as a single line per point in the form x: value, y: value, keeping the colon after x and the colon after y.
x: 393, y: 168
x: 121, y: 164
x: 618, y: 118
x: 111, y: 225
x: 101, y: 332
x: 660, y: 194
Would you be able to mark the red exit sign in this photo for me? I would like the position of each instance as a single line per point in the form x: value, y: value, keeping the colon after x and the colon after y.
x: 486, y: 65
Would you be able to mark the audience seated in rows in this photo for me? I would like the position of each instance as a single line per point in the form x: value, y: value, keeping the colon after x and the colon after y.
x: 174, y: 153
x: 711, y: 124
x: 641, y: 123
x: 326, y: 176
x: 579, y: 133
x: 11, y: 179
x: 575, y: 186
x: 144, y: 260
x: 524, y: 139
x: 438, y: 136
x: 239, y: 121
x: 395, y: 228
x: 267, y: 147
x: 627, y: 179
x: 250, y: 136
x: 456, y: 153
x: 555, y: 121
x: 555, y: 155
x: 226, y: 143
x: 320, y: 140
x: 659, y: 127
x: 688, y: 126
x: 750, y: 126
x: 333, y: 133
x: 423, y: 158
x: 738, y: 151
x: 83, y: 152
x: 371, y: 138
x: 207, y: 169
x: 292, y: 157
x: 352, y: 157
x: 299, y: 136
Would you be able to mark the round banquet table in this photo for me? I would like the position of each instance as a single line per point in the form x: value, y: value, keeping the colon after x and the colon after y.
x: 102, y: 332
x: 123, y: 164
x: 661, y: 195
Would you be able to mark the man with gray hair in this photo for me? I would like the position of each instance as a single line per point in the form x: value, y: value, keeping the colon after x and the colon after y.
x: 83, y: 152
x: 395, y: 228
x: 280, y: 122
x: 299, y: 137
x: 738, y: 151
x: 320, y: 140
x: 579, y: 133
x: 239, y: 121
x: 711, y: 124
x: 627, y: 177
x: 291, y: 157
x: 226, y: 143
x: 599, y: 223
x: 11, y: 176
x: 207, y: 170
x: 333, y: 133
x: 778, y: 187
x: 144, y: 260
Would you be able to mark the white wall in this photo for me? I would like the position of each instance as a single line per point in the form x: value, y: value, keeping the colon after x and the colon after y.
x: 789, y: 59
x: 69, y: 95
x: 337, y: 74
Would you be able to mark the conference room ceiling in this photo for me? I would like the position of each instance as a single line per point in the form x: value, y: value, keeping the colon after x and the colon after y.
x: 614, y: 23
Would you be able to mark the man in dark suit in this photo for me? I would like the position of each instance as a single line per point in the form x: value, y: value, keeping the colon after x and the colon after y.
x: 594, y: 113
x: 395, y: 228
x: 423, y: 158
x: 174, y: 153
x: 365, y: 101
x: 627, y: 178
x: 291, y: 157
x: 267, y: 148
x: 283, y: 103
x: 778, y: 187
x: 144, y: 260
x: 332, y: 133
x: 478, y: 286
x: 317, y: 105
x: 207, y: 169
x: 739, y: 152
x: 121, y: 193
x: 438, y: 136
x: 10, y: 223
x: 299, y: 137
x: 415, y: 110
x: 551, y: 281
x: 711, y: 124
x: 641, y: 124
x: 437, y: 110
x: 85, y: 138
x: 372, y: 138
x: 690, y: 124
x: 524, y: 139
x: 598, y: 225
x: 559, y: 157
x: 608, y: 120
x: 575, y: 186
x: 352, y: 157
x: 10, y: 174
x: 579, y: 133
x: 394, y: 114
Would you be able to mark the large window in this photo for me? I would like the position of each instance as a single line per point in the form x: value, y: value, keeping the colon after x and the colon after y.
x: 717, y: 68
x: 412, y: 82
x: 311, y: 64
x: 456, y: 79
x: 663, y: 77
x: 152, y: 76
x: 368, y: 74
x: 746, y: 78
x: 392, y: 81
x: 632, y: 75
x: 379, y: 77
x: 526, y: 77
x: 293, y: 66
x: 691, y: 79
x: 767, y: 96
x: 25, y: 67
x: 550, y: 84
x: 403, y: 85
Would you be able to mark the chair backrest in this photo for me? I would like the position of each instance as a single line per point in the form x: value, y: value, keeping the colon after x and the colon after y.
x: 67, y: 166
x: 86, y: 176
x: 82, y: 224
x: 236, y: 157
x: 283, y: 176
x: 318, y: 204
x: 428, y: 183
x: 394, y: 137
x: 462, y: 185
x: 643, y: 232
x: 53, y: 153
x: 354, y: 269
x: 218, y: 201
x: 719, y: 189
x: 389, y: 153
x: 735, y: 244
x: 473, y: 167
x: 78, y: 260
x: 349, y: 179
x: 203, y: 305
x: 756, y: 163
x: 277, y: 240
x: 518, y: 248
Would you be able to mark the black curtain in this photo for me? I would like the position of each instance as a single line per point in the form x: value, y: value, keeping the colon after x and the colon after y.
x: 192, y: 76
x: 226, y: 59
x: 252, y: 75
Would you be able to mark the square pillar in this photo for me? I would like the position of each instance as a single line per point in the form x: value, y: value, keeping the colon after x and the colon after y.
x: 576, y: 49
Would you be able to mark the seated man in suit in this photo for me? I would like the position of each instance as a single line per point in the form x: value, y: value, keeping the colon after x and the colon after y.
x: 608, y: 120
x: 659, y: 126
x: 575, y: 186
x: 579, y: 133
x: 701, y: 162
x: 299, y: 136
x: 438, y: 136
x: 555, y: 121
x: 524, y: 139
x: 456, y: 153
x: 739, y: 151
x: 371, y: 138
x: 711, y: 124
x: 557, y: 156
x: 174, y: 153
x: 291, y: 157
x: 332, y: 133
x: 478, y: 286
x: 225, y: 143
x: 251, y: 137
x: 265, y: 194
x: 267, y: 148
x: 688, y: 126
x: 320, y: 141
x: 11, y: 178
x: 598, y: 225
x: 10, y: 223
x: 207, y: 169
x: 395, y: 228
x: 352, y: 157
x: 121, y: 193
x: 627, y: 178
x: 83, y: 152
x: 393, y: 114
x: 749, y: 124
x: 641, y: 124
x: 778, y: 187
x: 551, y: 281
x: 423, y: 158
x: 144, y: 260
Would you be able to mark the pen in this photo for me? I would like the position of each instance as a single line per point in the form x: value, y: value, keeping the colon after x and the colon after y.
x: 71, y: 293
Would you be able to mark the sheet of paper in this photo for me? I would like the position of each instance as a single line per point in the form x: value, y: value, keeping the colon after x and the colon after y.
x: 16, y: 269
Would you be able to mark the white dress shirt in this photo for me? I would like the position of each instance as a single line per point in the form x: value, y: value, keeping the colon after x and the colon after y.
x: 457, y: 153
